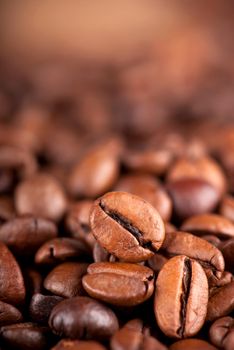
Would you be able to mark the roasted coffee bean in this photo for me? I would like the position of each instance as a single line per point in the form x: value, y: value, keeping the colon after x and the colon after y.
x: 9, y: 314
x: 146, y: 187
x: 96, y: 172
x: 41, y: 306
x: 227, y: 207
x: 25, y: 235
x: 12, y: 289
x: 215, y: 282
x: 127, y: 226
x: 120, y: 284
x: 83, y: 317
x: 222, y: 333
x: 203, y: 168
x: 41, y: 195
x: 221, y: 303
x: 78, y: 345
x: 227, y: 249
x: 192, y: 197
x: 60, y: 249
x: 101, y: 255
x: 212, y: 239
x: 192, y: 344
x: 181, y: 297
x: 177, y: 243
x: 209, y: 224
x: 23, y: 336
x: 65, y: 279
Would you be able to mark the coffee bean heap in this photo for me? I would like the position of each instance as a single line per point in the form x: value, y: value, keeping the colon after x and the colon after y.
x: 113, y: 242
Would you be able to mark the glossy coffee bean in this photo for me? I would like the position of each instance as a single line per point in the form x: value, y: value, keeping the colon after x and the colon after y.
x: 127, y: 226
x: 23, y: 336
x: 24, y: 235
x: 192, y: 344
x: 78, y: 345
x: 120, y: 284
x: 12, y: 288
x: 60, y: 249
x: 96, y: 172
x: 41, y: 195
x: 9, y: 314
x: 41, y: 306
x: 209, y: 224
x: 221, y: 303
x: 222, y: 333
x: 192, y: 196
x: 146, y: 187
x: 83, y: 318
x: 65, y: 279
x: 177, y: 243
x: 181, y: 297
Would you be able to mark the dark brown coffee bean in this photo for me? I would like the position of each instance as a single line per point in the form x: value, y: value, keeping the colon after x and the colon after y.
x: 120, y: 284
x: 227, y: 249
x: 83, y: 317
x: 96, y: 172
x: 157, y: 262
x: 9, y: 314
x: 33, y: 281
x: 222, y: 333
x: 7, y: 179
x: 101, y: 255
x: 41, y: 195
x: 192, y: 197
x: 60, y: 249
x: 41, y: 306
x: 65, y: 279
x: 12, y: 289
x: 7, y: 210
x: 182, y: 312
x: 221, y: 303
x: 18, y: 160
x: 203, y: 168
x: 177, y: 243
x: 146, y: 187
x: 192, y: 344
x: 78, y: 345
x: 25, y: 235
x: 227, y: 207
x: 127, y: 226
x: 23, y: 336
x: 209, y: 224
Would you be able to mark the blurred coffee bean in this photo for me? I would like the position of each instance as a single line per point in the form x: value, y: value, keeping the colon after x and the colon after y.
x: 227, y: 207
x: 101, y: 255
x: 227, y: 249
x: 192, y: 344
x: 7, y: 210
x: 78, y: 345
x: 41, y: 306
x: 222, y: 333
x: 9, y: 314
x: 221, y: 303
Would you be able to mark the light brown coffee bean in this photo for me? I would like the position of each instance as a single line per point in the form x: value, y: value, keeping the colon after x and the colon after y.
x: 78, y: 345
x: 127, y: 226
x: 192, y: 344
x: 120, y: 284
x: 182, y: 312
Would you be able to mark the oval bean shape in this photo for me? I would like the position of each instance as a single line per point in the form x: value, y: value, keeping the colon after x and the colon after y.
x: 127, y: 226
x: 181, y: 297
x: 120, y: 284
x: 78, y: 345
x: 221, y: 303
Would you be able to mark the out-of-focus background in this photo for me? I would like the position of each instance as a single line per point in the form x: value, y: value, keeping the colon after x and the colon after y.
x: 130, y: 65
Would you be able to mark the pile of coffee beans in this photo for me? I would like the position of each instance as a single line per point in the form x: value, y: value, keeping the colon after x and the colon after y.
x: 114, y: 242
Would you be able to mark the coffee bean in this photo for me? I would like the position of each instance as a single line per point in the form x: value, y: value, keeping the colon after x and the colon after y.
x: 157, y: 262
x: 212, y: 239
x: 215, y: 282
x: 41, y: 306
x: 177, y: 243
x: 23, y: 336
x: 9, y: 314
x: 119, y: 283
x: 83, y: 317
x: 227, y: 207
x: 182, y: 312
x: 12, y: 289
x: 222, y: 333
x: 221, y: 303
x: 60, y: 249
x: 78, y: 345
x: 209, y: 224
x: 127, y: 226
x: 25, y: 235
x: 227, y: 249
x: 192, y: 344
x: 146, y: 187
x: 192, y: 197
x: 65, y: 279
x: 96, y: 172
x: 41, y: 195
